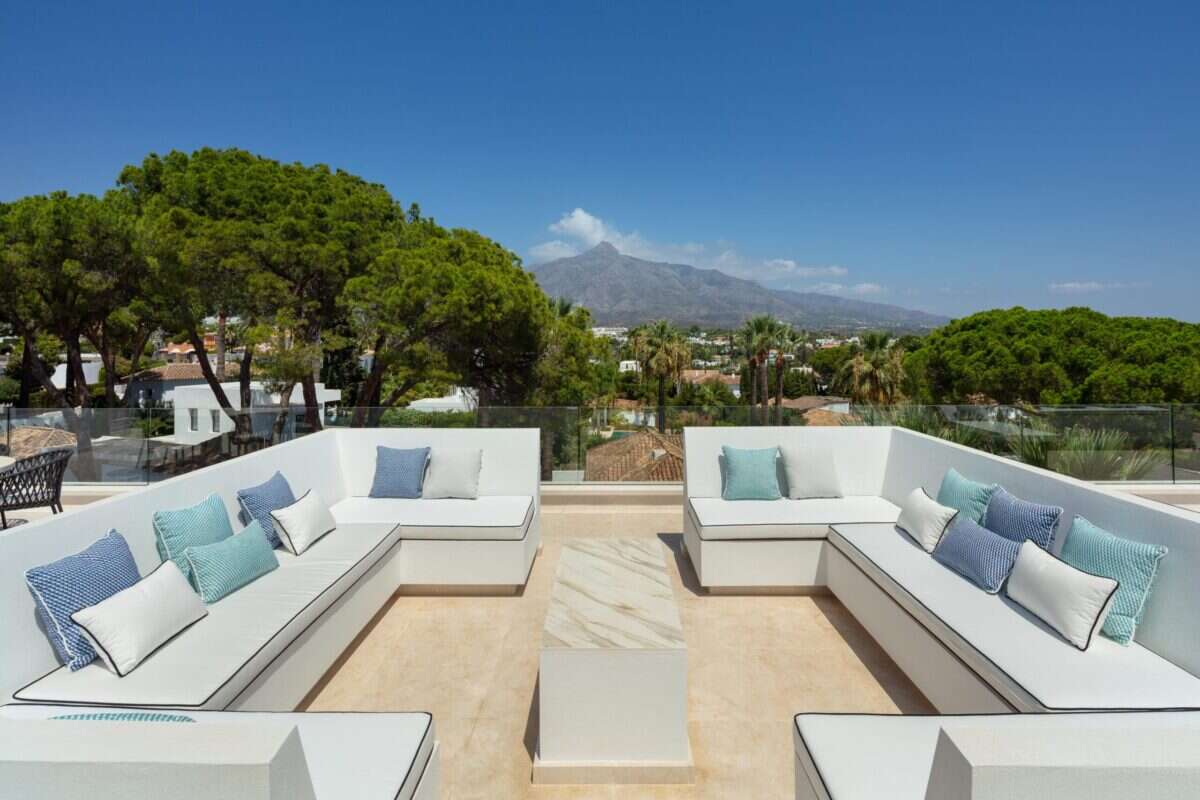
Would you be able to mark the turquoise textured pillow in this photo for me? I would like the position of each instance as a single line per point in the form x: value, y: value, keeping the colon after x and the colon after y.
x: 750, y: 474
x: 1132, y: 564
x: 124, y: 716
x: 175, y: 531
x: 228, y: 565
x: 969, y: 497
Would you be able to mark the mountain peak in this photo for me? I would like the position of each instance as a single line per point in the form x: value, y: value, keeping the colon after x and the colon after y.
x: 624, y: 290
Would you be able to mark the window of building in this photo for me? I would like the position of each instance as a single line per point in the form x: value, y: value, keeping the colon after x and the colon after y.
x: 216, y: 419
x: 193, y: 419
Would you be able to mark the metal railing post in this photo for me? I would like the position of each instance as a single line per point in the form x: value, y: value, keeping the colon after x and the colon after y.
x: 1171, y: 446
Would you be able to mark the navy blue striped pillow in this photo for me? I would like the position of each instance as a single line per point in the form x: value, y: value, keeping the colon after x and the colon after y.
x: 258, y: 502
x: 1018, y: 520
x: 75, y: 582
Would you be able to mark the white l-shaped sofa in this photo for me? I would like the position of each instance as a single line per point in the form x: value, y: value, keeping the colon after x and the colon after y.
x: 969, y: 652
x: 266, y: 646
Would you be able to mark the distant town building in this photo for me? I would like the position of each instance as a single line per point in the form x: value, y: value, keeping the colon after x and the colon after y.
x: 459, y: 399
x: 629, y: 366
x: 91, y: 370
x: 150, y: 386
x: 611, y: 332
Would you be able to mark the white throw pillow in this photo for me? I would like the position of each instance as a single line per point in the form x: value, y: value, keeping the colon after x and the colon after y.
x: 925, y: 519
x: 1071, y: 601
x: 303, y: 522
x: 453, y: 472
x: 127, y: 627
x: 811, y: 471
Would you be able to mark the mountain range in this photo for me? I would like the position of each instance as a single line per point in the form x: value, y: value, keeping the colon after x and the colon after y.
x: 622, y: 290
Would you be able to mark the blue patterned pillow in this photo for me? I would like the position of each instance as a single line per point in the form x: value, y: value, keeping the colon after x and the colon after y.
x: 1017, y: 519
x: 176, y: 531
x: 259, y: 501
x: 1132, y: 564
x: 751, y: 474
x: 76, y: 582
x: 228, y: 565
x: 968, y: 497
x: 399, y: 473
x: 982, y: 557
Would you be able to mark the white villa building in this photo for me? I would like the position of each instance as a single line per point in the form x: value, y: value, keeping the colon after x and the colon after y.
x: 198, y: 415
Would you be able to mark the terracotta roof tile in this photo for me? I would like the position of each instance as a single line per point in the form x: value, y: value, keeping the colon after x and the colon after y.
x: 645, y: 455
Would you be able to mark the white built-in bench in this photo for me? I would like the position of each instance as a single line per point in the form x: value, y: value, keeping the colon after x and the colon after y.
x: 967, y: 651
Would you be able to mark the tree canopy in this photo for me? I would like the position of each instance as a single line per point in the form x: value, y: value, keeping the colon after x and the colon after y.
x: 1075, y: 355
x: 310, y: 261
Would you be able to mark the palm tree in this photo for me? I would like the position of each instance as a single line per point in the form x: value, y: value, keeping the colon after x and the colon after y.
x: 760, y: 335
x: 789, y: 342
x: 875, y: 375
x: 664, y: 354
x: 745, y: 339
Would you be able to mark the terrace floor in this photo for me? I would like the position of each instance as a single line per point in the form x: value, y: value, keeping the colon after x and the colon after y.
x: 753, y: 663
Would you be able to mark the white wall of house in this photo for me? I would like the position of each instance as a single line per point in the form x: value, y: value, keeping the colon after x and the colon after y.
x: 198, y: 415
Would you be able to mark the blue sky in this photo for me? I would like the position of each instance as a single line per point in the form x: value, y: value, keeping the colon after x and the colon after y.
x: 938, y: 157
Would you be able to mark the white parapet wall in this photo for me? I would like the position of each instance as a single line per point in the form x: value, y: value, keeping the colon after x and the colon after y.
x: 110, y: 760
x: 983, y: 762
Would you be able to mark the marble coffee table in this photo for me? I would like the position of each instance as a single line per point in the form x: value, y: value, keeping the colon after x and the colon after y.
x: 612, y: 684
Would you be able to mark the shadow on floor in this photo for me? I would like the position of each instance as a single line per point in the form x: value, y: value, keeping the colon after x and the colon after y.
x: 903, y: 693
x: 687, y: 573
x: 531, y: 722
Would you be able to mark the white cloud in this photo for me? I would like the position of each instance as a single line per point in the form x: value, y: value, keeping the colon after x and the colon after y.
x: 1089, y: 287
x: 790, y: 267
x: 555, y: 248
x: 841, y: 288
x: 579, y: 230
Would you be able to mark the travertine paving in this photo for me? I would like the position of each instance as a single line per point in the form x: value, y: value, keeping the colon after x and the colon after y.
x: 753, y: 663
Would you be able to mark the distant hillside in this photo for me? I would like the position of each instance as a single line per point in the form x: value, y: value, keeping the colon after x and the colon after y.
x: 623, y: 290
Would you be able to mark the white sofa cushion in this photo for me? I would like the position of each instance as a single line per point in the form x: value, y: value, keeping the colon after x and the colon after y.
x: 350, y: 755
x: 504, y: 518
x: 811, y: 470
x: 1024, y: 659
x: 127, y: 627
x: 872, y: 756
x: 212, y: 662
x: 1071, y: 601
x: 925, y: 519
x: 719, y: 519
x: 453, y: 472
x: 302, y: 523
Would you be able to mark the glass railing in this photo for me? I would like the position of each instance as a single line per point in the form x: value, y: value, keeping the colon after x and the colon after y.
x: 624, y: 442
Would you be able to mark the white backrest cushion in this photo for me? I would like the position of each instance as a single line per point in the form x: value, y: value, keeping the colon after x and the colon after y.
x: 25, y: 653
x: 925, y: 519
x: 511, y: 456
x: 1170, y: 626
x: 1070, y: 601
x: 303, y: 522
x: 860, y: 454
x: 811, y: 469
x: 453, y: 472
x: 127, y: 627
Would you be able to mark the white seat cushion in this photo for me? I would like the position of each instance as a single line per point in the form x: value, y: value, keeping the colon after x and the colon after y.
x: 351, y: 756
x: 785, y: 519
x: 484, y: 518
x: 869, y: 756
x: 209, y: 664
x: 1024, y: 659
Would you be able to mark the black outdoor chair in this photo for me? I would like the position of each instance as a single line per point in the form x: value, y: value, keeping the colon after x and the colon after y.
x: 33, y: 482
